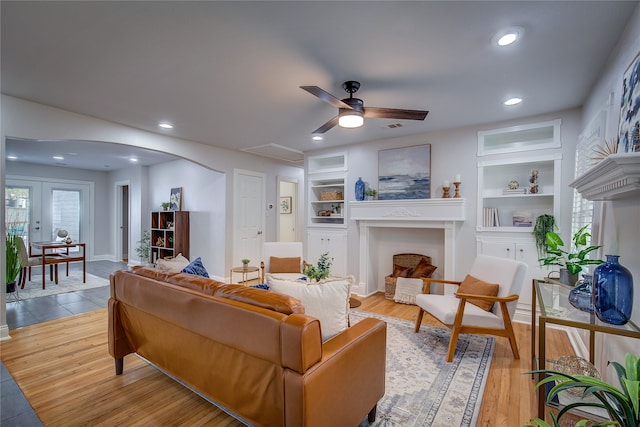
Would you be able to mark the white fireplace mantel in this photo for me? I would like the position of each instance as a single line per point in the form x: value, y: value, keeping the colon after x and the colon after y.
x: 425, y: 213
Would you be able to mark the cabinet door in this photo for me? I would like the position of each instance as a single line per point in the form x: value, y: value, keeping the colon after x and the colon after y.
x: 499, y: 249
x: 320, y: 241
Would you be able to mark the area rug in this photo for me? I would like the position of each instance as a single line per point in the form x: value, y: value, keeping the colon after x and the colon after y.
x: 73, y: 282
x: 422, y: 388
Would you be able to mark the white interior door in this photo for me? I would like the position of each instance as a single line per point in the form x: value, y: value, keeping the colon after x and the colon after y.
x: 249, y: 216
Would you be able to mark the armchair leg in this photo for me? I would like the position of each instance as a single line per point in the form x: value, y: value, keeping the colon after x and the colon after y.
x: 372, y: 413
x: 419, y: 320
x: 119, y: 365
x: 453, y: 342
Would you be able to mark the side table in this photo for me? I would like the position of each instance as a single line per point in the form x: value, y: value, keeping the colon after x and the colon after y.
x: 244, y: 271
x: 552, y: 299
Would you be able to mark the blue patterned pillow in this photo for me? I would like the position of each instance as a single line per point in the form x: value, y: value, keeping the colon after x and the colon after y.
x: 196, y: 267
x: 261, y: 286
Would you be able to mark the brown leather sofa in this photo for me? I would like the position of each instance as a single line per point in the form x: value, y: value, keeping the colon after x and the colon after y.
x: 251, y: 351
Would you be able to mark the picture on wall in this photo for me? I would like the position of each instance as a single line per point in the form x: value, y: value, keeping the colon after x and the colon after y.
x: 629, y: 127
x: 404, y: 173
x: 176, y: 199
x: 285, y: 205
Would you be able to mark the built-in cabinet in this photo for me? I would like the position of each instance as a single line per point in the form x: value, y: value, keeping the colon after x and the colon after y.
x: 332, y: 241
x: 519, y: 179
x: 327, y: 209
x: 169, y: 234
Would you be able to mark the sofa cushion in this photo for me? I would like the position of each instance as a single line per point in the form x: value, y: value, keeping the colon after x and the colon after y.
x: 196, y: 267
x: 423, y: 269
x: 474, y: 286
x: 327, y: 301
x: 284, y: 304
x: 284, y: 265
x: 175, y: 264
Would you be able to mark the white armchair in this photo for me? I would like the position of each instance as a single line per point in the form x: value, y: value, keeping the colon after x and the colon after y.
x: 462, y: 316
x: 282, y: 250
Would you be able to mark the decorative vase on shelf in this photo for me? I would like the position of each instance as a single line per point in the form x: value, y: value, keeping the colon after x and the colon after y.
x: 359, y: 189
x: 612, y: 292
x: 581, y: 297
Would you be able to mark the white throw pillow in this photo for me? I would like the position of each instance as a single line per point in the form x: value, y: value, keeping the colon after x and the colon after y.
x: 327, y: 301
x: 174, y: 265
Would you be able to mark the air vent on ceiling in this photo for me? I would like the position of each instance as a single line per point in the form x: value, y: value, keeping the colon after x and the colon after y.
x: 276, y: 151
x: 395, y: 125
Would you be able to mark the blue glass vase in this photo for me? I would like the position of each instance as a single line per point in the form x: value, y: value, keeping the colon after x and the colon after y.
x: 581, y: 297
x: 612, y: 292
x: 359, y: 189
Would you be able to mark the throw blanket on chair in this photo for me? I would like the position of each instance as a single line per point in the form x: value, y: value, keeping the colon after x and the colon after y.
x: 407, y: 289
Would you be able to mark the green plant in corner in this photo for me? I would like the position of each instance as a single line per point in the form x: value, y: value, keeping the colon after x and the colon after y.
x: 12, y: 257
x: 144, y: 246
x: 572, y: 261
x: 322, y: 270
x: 544, y: 224
x: 622, y: 405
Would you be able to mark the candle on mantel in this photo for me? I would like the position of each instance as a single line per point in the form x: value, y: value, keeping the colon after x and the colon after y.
x: 445, y: 184
x: 457, y: 178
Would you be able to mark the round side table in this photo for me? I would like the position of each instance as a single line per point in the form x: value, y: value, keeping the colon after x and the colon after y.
x: 244, y: 271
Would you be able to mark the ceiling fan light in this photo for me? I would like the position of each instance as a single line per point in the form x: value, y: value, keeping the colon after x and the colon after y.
x: 352, y: 119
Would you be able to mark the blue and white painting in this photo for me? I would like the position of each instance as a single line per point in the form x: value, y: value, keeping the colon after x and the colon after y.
x: 630, y: 109
x: 404, y: 173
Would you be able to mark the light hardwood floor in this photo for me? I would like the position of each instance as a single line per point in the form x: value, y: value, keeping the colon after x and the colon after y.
x: 66, y: 373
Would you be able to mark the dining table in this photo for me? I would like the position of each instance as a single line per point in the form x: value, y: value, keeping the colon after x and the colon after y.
x: 54, y: 253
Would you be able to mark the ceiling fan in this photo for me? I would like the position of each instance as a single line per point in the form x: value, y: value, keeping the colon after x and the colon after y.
x: 351, y: 111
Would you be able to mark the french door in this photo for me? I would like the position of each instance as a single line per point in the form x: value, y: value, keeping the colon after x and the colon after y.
x: 38, y: 210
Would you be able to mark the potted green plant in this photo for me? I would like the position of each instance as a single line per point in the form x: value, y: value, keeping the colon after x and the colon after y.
x: 165, y: 206
x: 544, y: 224
x: 245, y: 262
x: 622, y: 404
x: 320, y: 271
x: 370, y: 193
x: 144, y: 247
x: 571, y: 261
x: 13, y: 263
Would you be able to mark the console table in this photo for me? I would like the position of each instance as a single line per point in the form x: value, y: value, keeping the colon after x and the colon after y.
x: 553, y: 301
x: 54, y: 253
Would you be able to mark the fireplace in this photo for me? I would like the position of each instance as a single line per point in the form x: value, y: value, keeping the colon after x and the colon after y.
x: 442, y: 214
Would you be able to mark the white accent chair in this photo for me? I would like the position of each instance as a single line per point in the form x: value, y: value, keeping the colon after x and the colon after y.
x: 282, y: 250
x: 27, y: 262
x: 453, y: 311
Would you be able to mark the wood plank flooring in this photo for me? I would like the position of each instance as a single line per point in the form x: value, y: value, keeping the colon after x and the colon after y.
x: 66, y: 373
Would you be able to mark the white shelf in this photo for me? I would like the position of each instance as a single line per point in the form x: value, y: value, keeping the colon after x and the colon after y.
x: 616, y: 177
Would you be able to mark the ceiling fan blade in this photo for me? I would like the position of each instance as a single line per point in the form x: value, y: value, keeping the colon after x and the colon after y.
x: 394, y: 113
x: 326, y: 96
x: 327, y: 126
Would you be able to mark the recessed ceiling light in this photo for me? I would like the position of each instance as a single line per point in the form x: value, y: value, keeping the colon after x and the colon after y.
x: 10, y: 157
x: 513, y: 101
x: 133, y: 159
x: 508, y: 36
x: 58, y: 158
x: 317, y: 138
x: 165, y: 125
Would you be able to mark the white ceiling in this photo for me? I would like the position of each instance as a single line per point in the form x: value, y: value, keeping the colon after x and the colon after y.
x: 228, y: 73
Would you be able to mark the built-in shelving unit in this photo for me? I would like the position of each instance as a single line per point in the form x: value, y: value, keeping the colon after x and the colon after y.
x: 327, y: 177
x: 505, y: 216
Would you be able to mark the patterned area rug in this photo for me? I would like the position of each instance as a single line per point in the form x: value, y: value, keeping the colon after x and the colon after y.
x: 422, y: 388
x: 73, y: 282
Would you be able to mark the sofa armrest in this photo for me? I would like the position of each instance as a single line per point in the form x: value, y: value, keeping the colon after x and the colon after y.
x: 346, y: 384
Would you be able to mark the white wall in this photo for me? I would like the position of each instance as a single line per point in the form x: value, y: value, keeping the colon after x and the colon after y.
x: 453, y: 152
x: 617, y: 221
